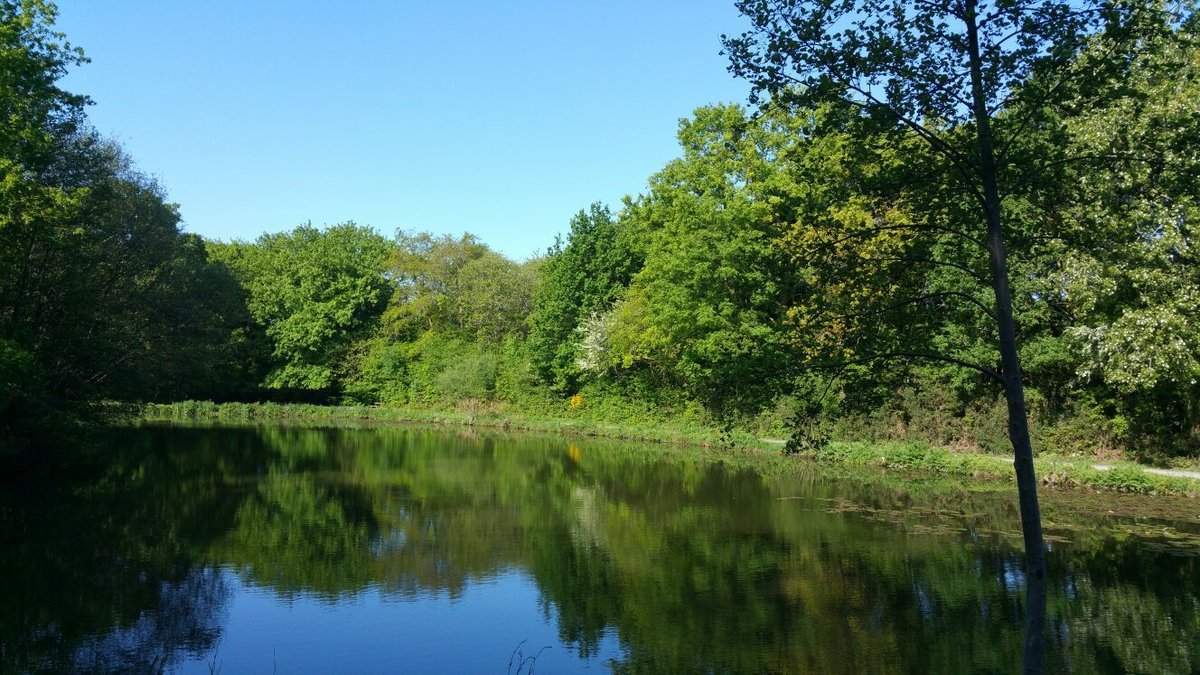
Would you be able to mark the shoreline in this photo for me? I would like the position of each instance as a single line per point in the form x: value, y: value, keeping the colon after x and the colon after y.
x: 909, y: 457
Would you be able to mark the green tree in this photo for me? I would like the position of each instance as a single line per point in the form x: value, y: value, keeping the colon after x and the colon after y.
x: 582, y: 277
x: 101, y: 295
x: 427, y: 272
x: 943, y: 71
x: 34, y: 111
x: 109, y: 298
x: 495, y: 297
x: 706, y: 310
x: 314, y: 292
x: 1130, y: 276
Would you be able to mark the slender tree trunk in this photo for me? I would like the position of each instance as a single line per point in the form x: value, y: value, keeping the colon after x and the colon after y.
x: 1034, y: 656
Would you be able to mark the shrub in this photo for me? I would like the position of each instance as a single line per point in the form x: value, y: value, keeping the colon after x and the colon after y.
x: 1124, y: 479
x: 472, y: 377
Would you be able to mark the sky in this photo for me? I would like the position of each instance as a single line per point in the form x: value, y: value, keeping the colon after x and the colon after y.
x: 501, y: 118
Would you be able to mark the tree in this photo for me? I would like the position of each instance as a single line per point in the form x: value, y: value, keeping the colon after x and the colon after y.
x: 121, y: 303
x: 706, y: 310
x: 314, y: 292
x: 584, y: 276
x: 457, y: 285
x: 105, y: 297
x: 101, y: 294
x: 426, y: 272
x: 33, y: 111
x: 1131, y: 276
x: 495, y: 297
x: 967, y: 77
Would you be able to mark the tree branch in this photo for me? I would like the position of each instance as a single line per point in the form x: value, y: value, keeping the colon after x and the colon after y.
x: 925, y: 296
x: 907, y: 355
x: 930, y: 261
x: 887, y: 228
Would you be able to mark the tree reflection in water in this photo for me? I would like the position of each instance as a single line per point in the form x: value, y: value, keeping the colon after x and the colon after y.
x: 692, y: 566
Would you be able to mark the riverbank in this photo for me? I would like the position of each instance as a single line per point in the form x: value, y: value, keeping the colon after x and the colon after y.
x: 675, y: 433
x: 909, y: 457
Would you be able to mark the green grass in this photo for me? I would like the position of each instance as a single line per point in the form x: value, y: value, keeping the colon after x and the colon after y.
x: 915, y: 456
x: 1054, y: 472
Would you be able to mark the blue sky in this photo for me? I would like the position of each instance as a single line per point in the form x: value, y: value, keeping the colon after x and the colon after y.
x: 498, y: 118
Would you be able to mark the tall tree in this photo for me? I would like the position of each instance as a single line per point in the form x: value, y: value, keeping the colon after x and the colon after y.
x: 109, y: 297
x: 33, y: 111
x: 968, y: 77
x: 314, y: 292
x: 1130, y: 274
x: 706, y: 309
x: 581, y: 277
x: 33, y: 108
x: 431, y: 275
x: 496, y: 295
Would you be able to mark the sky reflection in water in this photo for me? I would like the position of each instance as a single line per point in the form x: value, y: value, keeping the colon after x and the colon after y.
x: 385, y: 549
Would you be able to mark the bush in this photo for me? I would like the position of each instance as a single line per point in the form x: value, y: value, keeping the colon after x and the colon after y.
x: 1124, y: 479
x: 381, y: 375
x: 472, y: 377
x: 517, y: 381
x: 917, y: 455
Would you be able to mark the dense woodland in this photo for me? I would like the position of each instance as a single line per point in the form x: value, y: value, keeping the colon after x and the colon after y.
x: 796, y: 267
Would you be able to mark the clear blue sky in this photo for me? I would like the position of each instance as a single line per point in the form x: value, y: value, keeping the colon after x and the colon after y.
x: 499, y: 118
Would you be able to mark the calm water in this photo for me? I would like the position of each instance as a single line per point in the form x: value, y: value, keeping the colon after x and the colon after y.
x: 391, y: 549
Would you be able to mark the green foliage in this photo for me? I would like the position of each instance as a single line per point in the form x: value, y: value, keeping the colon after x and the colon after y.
x: 472, y: 376
x: 427, y: 274
x: 314, y: 292
x: 1129, y: 273
x: 495, y: 297
x: 1124, y: 479
x: 432, y: 354
x: 35, y: 115
x: 16, y: 375
x: 33, y: 109
x: 110, y: 298
x: 579, y: 279
x: 101, y: 294
x: 518, y: 382
x: 792, y: 270
x: 381, y: 372
x: 704, y: 312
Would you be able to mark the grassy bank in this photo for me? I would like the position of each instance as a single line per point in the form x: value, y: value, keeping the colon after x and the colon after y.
x: 1053, y: 471
x: 915, y: 458
x: 652, y: 432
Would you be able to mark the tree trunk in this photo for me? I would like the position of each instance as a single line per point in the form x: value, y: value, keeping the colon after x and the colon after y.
x: 1034, y: 656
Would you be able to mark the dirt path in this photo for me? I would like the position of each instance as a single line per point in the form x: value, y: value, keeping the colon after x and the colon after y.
x: 1174, y: 473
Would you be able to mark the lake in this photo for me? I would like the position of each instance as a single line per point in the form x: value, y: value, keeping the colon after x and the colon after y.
x: 394, y: 549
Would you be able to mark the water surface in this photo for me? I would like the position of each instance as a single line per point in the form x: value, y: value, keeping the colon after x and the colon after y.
x: 392, y: 549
